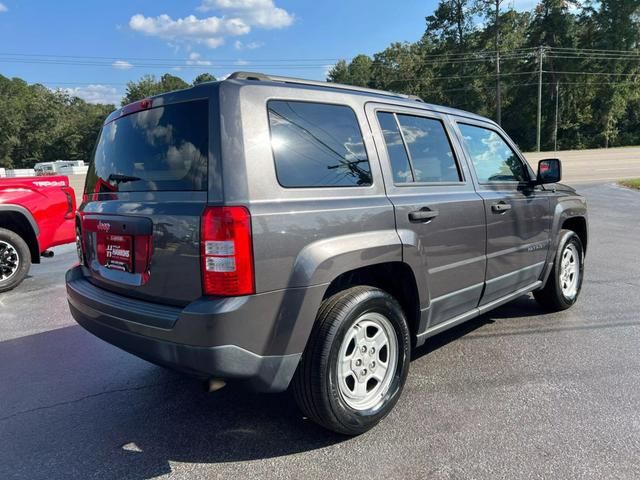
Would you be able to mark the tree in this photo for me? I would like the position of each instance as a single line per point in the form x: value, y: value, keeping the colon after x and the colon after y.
x: 37, y: 124
x: 486, y: 6
x: 149, y: 86
x: 339, y: 73
x: 204, y: 77
x: 169, y: 83
x: 399, y: 68
x: 452, y: 22
x: 360, y: 71
x: 590, y: 63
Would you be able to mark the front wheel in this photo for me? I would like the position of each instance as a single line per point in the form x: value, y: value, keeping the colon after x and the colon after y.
x: 15, y: 259
x: 356, y: 363
x: 565, y: 280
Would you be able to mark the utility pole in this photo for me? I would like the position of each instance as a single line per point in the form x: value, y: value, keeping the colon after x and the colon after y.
x: 555, y: 124
x: 497, y: 39
x: 539, y: 98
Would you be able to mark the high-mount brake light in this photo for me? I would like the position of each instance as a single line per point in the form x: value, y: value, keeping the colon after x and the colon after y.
x: 138, y: 106
x: 226, y: 252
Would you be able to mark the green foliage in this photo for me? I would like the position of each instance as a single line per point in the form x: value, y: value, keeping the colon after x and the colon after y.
x: 149, y: 86
x: 37, y: 124
x: 631, y: 183
x: 452, y: 22
x: 204, y: 77
x: 591, y: 58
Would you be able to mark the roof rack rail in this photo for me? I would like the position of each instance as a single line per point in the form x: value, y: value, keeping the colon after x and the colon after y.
x: 249, y: 76
x: 316, y: 83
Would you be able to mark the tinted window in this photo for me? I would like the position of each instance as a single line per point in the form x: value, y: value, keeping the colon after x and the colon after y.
x: 317, y: 145
x: 492, y: 158
x: 163, y: 148
x: 431, y: 154
x: 395, y: 147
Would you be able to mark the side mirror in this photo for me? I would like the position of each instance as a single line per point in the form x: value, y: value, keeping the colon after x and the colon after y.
x: 549, y: 171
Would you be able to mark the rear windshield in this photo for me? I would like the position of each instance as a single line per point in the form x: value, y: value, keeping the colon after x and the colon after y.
x: 163, y: 148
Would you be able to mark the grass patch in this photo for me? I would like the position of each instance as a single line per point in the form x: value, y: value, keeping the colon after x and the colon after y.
x: 631, y: 183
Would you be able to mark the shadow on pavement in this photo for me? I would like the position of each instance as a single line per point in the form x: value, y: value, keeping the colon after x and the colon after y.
x: 72, y: 406
x: 524, y: 306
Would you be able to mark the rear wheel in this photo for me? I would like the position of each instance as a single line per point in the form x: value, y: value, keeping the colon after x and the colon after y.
x: 565, y: 280
x: 15, y: 259
x: 356, y: 363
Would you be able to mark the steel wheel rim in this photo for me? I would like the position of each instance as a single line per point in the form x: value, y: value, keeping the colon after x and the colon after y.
x: 9, y: 261
x: 367, y: 361
x: 569, y: 271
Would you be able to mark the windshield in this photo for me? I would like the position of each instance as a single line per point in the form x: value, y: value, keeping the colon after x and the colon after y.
x: 163, y: 148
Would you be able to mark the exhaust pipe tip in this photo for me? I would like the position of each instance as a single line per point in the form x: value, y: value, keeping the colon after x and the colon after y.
x: 47, y: 254
x: 215, y: 384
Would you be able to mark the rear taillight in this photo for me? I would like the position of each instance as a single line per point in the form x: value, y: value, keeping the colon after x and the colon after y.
x: 71, y: 202
x: 226, y: 251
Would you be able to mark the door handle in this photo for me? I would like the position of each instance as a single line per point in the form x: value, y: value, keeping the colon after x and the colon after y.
x: 424, y: 215
x: 500, y: 207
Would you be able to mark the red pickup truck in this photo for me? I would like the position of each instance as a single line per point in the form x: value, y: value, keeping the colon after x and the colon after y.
x: 36, y: 213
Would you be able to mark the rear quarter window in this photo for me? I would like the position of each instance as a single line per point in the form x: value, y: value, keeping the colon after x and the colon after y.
x: 317, y: 145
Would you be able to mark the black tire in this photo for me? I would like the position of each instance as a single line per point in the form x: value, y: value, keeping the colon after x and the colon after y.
x: 315, y: 384
x: 552, y: 296
x: 11, y: 242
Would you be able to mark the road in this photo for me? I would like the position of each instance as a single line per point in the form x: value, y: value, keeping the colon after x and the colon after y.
x: 517, y: 393
x: 587, y: 166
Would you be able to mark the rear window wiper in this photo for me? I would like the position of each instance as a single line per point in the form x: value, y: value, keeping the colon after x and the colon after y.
x: 122, y: 178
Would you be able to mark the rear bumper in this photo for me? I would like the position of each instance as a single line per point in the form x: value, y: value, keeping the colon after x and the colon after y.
x: 252, y: 339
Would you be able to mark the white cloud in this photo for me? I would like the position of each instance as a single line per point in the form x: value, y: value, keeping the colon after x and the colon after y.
x: 196, y: 59
x: 235, y: 18
x: 209, y: 31
x: 121, y: 65
x: 239, y: 45
x: 241, y: 62
x: 3, y: 8
x: 96, y: 94
x: 262, y: 13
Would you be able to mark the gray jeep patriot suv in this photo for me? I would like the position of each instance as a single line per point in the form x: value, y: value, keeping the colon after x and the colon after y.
x: 277, y: 232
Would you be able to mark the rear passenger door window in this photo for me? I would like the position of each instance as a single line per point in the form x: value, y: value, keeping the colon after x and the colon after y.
x: 317, y: 145
x: 419, y: 149
x: 491, y: 156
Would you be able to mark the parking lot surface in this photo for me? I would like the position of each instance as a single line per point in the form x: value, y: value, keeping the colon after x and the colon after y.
x: 517, y: 393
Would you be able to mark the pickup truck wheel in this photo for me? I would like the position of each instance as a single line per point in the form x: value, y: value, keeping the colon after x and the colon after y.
x: 15, y: 259
x: 565, y: 280
x: 356, y: 362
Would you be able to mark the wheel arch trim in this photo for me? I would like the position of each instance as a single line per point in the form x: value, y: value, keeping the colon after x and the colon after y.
x: 9, y: 207
x: 566, y: 209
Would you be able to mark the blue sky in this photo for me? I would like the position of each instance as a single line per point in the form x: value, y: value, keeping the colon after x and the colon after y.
x: 94, y: 48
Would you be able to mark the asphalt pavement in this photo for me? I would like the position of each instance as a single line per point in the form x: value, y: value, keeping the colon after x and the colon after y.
x: 517, y: 393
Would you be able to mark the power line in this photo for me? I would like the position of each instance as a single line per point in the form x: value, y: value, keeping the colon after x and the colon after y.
x: 222, y: 60
x: 202, y: 63
x: 595, y: 50
x: 593, y: 73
